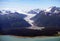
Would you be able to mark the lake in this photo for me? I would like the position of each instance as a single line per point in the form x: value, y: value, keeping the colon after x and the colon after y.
x: 14, y: 38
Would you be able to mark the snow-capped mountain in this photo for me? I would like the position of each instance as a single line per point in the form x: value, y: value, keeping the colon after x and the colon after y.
x: 12, y: 20
x: 34, y: 11
x: 6, y: 12
x: 53, y: 9
x: 41, y: 15
x: 12, y: 13
x: 49, y: 11
x: 50, y: 18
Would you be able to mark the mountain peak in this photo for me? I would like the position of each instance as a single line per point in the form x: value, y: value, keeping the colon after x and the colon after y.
x: 53, y: 9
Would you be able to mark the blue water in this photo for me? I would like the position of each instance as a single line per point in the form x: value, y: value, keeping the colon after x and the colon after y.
x: 13, y: 38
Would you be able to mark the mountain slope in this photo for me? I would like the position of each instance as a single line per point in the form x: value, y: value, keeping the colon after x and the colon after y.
x: 13, y: 21
x: 49, y: 19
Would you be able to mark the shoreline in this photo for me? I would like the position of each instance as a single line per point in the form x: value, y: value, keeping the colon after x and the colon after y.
x: 29, y: 36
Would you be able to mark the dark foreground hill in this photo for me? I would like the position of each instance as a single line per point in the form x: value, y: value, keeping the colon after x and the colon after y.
x: 29, y: 32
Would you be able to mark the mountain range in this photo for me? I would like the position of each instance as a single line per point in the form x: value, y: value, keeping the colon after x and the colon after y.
x: 34, y: 11
x: 49, y: 18
x: 12, y: 20
x: 30, y: 23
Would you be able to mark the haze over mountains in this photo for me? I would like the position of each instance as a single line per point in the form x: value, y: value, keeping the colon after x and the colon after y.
x: 34, y: 11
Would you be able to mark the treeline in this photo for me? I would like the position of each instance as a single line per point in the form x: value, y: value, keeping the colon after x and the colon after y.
x: 29, y: 32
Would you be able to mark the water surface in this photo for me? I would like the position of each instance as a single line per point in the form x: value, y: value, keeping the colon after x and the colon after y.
x: 13, y: 38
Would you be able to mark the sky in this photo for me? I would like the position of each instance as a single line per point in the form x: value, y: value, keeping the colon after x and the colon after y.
x: 27, y: 4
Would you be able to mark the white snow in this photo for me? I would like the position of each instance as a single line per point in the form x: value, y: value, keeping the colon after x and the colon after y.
x: 31, y: 21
